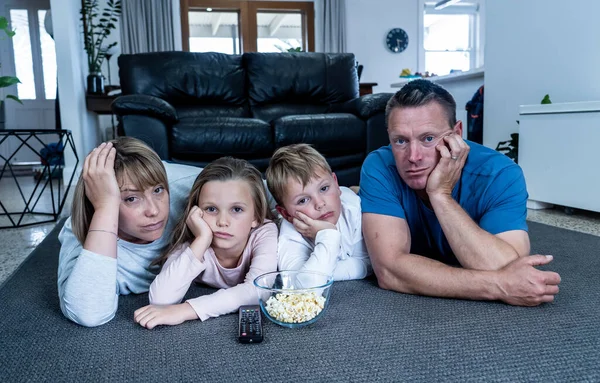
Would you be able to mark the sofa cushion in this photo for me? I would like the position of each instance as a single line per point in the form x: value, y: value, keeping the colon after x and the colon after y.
x: 301, y: 78
x: 269, y: 113
x: 197, y: 111
x: 183, y: 78
x: 332, y: 134
x: 206, y: 139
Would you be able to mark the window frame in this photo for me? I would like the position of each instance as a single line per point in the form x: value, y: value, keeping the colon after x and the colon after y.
x: 475, y: 31
x: 247, y: 20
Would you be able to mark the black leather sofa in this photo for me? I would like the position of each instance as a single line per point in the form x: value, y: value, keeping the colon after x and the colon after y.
x: 193, y: 108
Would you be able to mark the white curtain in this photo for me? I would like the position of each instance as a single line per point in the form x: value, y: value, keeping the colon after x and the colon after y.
x: 334, y: 26
x: 147, y: 26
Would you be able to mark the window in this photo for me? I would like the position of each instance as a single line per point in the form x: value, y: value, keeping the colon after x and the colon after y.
x: 214, y: 31
x: 34, y: 55
x: 450, y: 39
x: 22, y: 53
x: 247, y: 26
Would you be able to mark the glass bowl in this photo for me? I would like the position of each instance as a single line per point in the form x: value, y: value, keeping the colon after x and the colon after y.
x: 293, y: 298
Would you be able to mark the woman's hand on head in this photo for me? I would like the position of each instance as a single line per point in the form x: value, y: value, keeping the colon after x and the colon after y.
x: 198, y: 226
x: 101, y: 186
x: 153, y: 315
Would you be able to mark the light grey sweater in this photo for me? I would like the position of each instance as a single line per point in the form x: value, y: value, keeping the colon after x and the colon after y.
x: 89, y: 284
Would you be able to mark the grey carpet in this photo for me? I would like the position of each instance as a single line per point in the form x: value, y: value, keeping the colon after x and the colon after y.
x: 367, y: 334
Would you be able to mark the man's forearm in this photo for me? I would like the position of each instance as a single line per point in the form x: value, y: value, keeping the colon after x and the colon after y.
x: 474, y: 247
x: 415, y: 274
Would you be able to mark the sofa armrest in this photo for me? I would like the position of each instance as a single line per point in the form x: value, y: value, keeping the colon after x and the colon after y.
x: 141, y: 104
x: 152, y: 131
x: 364, y: 107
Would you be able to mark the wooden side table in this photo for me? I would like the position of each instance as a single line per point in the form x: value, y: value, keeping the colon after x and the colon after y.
x: 366, y: 88
x: 99, y: 104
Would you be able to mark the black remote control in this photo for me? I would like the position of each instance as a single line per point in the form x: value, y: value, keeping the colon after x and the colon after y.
x: 250, y: 324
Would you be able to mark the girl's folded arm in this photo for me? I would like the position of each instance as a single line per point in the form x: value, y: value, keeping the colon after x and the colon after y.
x: 225, y: 301
x: 176, y: 276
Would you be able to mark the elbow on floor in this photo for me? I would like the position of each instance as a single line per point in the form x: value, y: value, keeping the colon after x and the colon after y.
x: 85, y: 319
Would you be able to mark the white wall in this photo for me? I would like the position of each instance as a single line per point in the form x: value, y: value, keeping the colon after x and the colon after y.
x: 367, y: 24
x: 70, y: 61
x: 538, y: 47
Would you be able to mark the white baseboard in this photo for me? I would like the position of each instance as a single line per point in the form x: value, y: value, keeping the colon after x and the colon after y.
x: 537, y: 205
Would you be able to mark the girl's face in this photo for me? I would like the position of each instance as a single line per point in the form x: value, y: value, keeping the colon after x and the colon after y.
x: 228, y: 209
x: 143, y: 214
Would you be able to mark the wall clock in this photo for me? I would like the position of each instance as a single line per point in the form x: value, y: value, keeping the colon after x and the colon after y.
x: 396, y: 40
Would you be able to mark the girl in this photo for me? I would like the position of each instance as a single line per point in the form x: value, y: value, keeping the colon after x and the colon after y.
x: 223, y: 239
x: 121, y: 207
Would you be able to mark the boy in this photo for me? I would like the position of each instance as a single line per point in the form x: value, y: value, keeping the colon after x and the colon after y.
x: 321, y: 228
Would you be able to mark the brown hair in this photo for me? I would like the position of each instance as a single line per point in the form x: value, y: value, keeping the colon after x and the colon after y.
x: 133, y: 159
x: 223, y: 169
x: 299, y: 161
x: 419, y: 93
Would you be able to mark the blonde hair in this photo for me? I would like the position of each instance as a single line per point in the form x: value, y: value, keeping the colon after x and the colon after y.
x: 133, y: 159
x: 298, y: 161
x: 223, y: 169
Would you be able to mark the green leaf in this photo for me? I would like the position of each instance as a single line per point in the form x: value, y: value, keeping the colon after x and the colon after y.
x: 3, y: 22
x: 546, y: 99
x: 8, y: 81
x: 14, y: 98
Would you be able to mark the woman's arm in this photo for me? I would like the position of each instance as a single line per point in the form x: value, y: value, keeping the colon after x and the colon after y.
x: 102, y: 190
x: 87, y: 275
x: 87, y: 282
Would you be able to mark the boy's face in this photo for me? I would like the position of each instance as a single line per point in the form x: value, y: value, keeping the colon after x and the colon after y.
x: 319, y: 199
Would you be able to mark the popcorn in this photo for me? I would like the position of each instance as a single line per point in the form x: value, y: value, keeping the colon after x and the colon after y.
x: 295, y: 308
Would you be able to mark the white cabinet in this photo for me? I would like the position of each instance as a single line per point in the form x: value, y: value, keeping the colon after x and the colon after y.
x: 559, y: 151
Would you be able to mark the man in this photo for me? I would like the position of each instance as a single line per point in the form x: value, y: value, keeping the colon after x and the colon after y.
x: 444, y: 217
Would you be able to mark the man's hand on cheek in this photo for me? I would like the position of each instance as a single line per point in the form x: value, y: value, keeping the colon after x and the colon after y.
x: 309, y: 227
x: 453, y: 152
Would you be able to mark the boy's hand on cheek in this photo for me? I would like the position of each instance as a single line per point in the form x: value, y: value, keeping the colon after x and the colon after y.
x: 309, y: 227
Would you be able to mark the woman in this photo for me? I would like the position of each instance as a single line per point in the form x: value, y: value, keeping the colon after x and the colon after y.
x: 122, y: 206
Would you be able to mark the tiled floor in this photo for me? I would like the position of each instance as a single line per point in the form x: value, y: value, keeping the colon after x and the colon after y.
x: 16, y: 244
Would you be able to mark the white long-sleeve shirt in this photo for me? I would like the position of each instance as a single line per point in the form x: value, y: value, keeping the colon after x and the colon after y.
x: 236, y: 284
x: 341, y: 253
x: 89, y: 284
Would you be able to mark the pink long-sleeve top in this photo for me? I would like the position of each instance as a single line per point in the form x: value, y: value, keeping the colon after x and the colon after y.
x: 235, y: 284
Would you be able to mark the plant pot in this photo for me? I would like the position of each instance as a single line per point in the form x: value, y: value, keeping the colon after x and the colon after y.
x: 95, y: 83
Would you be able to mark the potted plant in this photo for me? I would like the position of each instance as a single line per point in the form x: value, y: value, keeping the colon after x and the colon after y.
x: 97, y: 25
x: 6, y: 81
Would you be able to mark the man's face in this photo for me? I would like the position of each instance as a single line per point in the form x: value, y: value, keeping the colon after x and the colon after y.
x: 414, y: 133
x: 319, y: 199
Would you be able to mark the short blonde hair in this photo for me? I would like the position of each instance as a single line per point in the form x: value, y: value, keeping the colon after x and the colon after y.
x: 133, y: 159
x: 298, y: 161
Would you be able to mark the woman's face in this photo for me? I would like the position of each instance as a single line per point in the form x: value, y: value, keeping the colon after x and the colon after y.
x: 143, y: 214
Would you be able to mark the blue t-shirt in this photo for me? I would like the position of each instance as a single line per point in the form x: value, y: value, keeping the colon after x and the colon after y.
x: 491, y: 190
